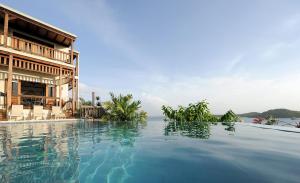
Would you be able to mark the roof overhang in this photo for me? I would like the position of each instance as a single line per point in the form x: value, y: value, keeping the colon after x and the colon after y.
x: 24, y: 22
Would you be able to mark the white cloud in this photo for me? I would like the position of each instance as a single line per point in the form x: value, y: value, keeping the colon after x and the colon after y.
x: 237, y: 93
x: 242, y: 94
x: 223, y: 93
x: 85, y: 91
x: 152, y: 104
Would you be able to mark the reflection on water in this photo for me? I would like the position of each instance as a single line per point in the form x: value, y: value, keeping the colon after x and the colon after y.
x: 192, y: 129
x: 95, y: 152
x: 229, y: 126
x: 38, y: 152
x: 44, y: 152
x: 199, y: 130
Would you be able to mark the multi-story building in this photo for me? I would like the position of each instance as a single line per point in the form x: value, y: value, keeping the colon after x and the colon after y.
x: 38, y: 64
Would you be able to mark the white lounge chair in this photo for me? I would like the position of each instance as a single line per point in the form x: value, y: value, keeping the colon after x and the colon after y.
x: 38, y: 112
x: 16, y: 112
x: 57, y: 112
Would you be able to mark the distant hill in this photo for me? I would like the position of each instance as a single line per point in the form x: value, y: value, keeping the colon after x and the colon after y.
x: 278, y: 113
x: 250, y: 114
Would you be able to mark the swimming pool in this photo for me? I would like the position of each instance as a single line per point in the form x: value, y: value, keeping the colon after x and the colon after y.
x: 111, y: 152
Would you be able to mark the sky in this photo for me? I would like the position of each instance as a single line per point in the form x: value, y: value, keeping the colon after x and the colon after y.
x: 236, y: 54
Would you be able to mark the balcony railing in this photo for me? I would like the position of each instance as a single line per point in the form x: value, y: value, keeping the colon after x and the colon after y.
x: 36, y: 49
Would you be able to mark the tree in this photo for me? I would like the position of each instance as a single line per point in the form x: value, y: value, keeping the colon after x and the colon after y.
x: 123, y: 108
x: 229, y: 116
x: 98, y: 103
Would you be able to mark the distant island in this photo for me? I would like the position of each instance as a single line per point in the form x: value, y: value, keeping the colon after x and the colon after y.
x: 278, y: 113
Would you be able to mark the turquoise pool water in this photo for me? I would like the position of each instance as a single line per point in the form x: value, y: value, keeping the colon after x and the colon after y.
x: 135, y: 153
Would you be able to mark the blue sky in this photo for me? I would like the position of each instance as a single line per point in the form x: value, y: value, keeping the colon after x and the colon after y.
x: 237, y: 54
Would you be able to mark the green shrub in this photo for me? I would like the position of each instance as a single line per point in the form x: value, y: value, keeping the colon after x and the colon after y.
x: 123, y: 108
x: 229, y: 116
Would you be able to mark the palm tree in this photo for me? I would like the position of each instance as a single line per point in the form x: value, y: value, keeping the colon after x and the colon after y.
x: 123, y: 108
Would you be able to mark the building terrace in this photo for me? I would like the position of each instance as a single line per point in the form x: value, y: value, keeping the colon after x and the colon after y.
x: 38, y: 65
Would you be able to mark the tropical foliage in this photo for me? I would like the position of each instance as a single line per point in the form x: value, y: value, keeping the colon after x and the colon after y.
x: 123, y: 108
x: 192, y: 121
x: 271, y: 120
x: 229, y: 116
x: 198, y: 112
x: 98, y: 103
x: 195, y: 119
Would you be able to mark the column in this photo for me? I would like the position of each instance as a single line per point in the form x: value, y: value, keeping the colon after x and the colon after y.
x: 73, y: 93
x: 59, y: 87
x: 5, y: 31
x: 73, y: 78
x: 9, y: 82
x: 77, y: 81
x: 46, y: 95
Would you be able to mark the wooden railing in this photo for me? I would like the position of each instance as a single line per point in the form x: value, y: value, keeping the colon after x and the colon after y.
x: 91, y: 112
x: 37, y: 49
x: 33, y: 66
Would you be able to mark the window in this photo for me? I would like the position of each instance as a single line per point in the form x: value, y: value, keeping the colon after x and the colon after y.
x: 15, y: 88
x: 33, y: 88
x: 51, y: 91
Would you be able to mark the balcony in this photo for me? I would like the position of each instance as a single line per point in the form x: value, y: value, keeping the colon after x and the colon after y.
x: 30, y: 47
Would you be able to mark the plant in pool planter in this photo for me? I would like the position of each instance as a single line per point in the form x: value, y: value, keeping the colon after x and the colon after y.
x: 229, y: 116
x: 192, y: 121
x: 258, y: 120
x: 123, y: 108
x: 228, y: 120
x: 198, y: 112
x: 142, y: 116
x: 271, y: 120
